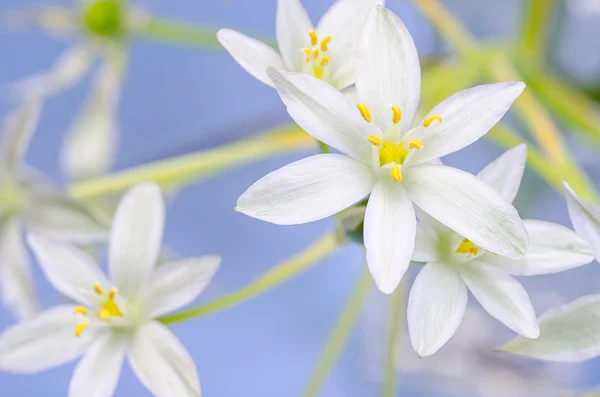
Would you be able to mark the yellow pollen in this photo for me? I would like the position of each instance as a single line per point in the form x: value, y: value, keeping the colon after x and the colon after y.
x: 416, y: 144
x: 80, y: 328
x: 80, y: 310
x: 98, y: 289
x: 467, y: 247
x: 324, y: 43
x: 375, y: 140
x: 365, y: 112
x: 308, y: 53
x: 397, y: 114
x: 396, y: 173
x: 313, y: 37
x: 427, y: 122
x: 325, y: 61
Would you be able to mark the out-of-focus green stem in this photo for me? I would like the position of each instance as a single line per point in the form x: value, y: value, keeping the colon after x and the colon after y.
x: 180, y: 33
x: 533, y: 42
x: 273, y: 277
x: 396, y: 309
x: 194, y: 167
x: 339, y: 335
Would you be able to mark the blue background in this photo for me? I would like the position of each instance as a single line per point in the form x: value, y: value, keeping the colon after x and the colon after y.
x: 176, y: 100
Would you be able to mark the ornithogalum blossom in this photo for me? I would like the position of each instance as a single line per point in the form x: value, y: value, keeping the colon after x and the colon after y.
x: 438, y: 298
x: 28, y: 200
x: 384, y: 156
x: 114, y: 317
x: 570, y: 332
x: 327, y: 52
x: 100, y: 29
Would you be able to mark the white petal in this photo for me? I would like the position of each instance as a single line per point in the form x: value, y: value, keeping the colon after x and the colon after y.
x: 292, y: 27
x: 66, y: 72
x: 585, y: 218
x: 343, y: 22
x: 72, y: 271
x: 471, y: 208
x: 47, y: 340
x: 16, y: 280
x: 466, y: 117
x: 506, y: 172
x: 569, y: 333
x: 17, y: 130
x: 388, y: 71
x: 97, y: 374
x: 503, y: 297
x: 162, y: 363
x: 390, y: 227
x: 436, y: 306
x: 55, y: 19
x: 136, y: 237
x: 325, y: 113
x: 253, y: 55
x: 552, y: 248
x: 307, y: 190
x: 175, y: 284
x: 426, y: 243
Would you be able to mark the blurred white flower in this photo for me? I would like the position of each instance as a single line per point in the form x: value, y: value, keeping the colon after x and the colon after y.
x: 585, y: 218
x: 438, y: 298
x: 116, y: 316
x: 584, y: 8
x: 27, y: 199
x: 327, y: 52
x: 100, y: 28
x: 389, y: 159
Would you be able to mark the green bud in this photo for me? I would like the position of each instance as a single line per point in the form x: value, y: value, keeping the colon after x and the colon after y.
x: 105, y: 18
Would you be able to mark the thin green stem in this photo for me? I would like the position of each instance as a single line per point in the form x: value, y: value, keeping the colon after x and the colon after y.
x: 339, y: 335
x: 396, y: 310
x: 189, y: 168
x: 277, y: 275
x: 533, y: 42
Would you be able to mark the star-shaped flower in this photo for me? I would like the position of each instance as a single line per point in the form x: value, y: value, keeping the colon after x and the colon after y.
x: 327, y: 52
x: 115, y: 316
x: 28, y: 199
x: 384, y: 156
x: 438, y: 298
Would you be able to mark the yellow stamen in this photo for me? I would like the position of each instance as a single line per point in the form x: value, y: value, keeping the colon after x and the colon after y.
x: 416, y: 144
x: 316, y: 53
x: 427, y: 122
x: 80, y: 310
x: 308, y: 53
x: 365, y: 112
x: 397, y: 114
x: 318, y: 72
x: 110, y: 309
x: 324, y: 43
x: 80, y: 328
x: 325, y: 61
x: 104, y: 315
x: 313, y: 37
x: 391, y: 153
x: 375, y: 140
x: 467, y: 247
x: 98, y: 289
x: 396, y: 173
x: 112, y: 293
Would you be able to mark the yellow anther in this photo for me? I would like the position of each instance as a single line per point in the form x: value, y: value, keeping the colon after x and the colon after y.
x: 365, y: 112
x: 396, y: 173
x: 325, y: 61
x: 313, y: 37
x: 473, y: 251
x: 112, y: 293
x: 316, y: 53
x: 80, y: 328
x: 324, y: 43
x: 416, y: 144
x: 467, y: 247
x: 397, y: 114
x: 308, y: 53
x: 98, y: 289
x: 80, y: 310
x: 427, y: 122
x: 375, y: 140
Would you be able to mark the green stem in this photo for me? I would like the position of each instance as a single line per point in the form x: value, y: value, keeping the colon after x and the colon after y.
x: 186, y: 169
x: 339, y: 335
x: 313, y: 254
x: 396, y: 309
x: 533, y: 42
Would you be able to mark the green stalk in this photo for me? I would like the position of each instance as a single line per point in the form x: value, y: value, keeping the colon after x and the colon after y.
x: 339, y: 335
x: 533, y: 43
x: 396, y: 310
x: 275, y: 276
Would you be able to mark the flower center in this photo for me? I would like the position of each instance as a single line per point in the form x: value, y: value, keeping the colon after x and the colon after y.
x: 466, y: 246
x: 316, y: 56
x: 105, y: 18
x: 11, y: 199
x: 107, y: 309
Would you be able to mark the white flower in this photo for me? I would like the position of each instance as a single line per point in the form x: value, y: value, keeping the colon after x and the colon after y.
x: 569, y: 332
x: 116, y: 316
x: 327, y: 52
x: 387, y: 158
x: 27, y: 199
x: 438, y: 298
x: 100, y: 28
